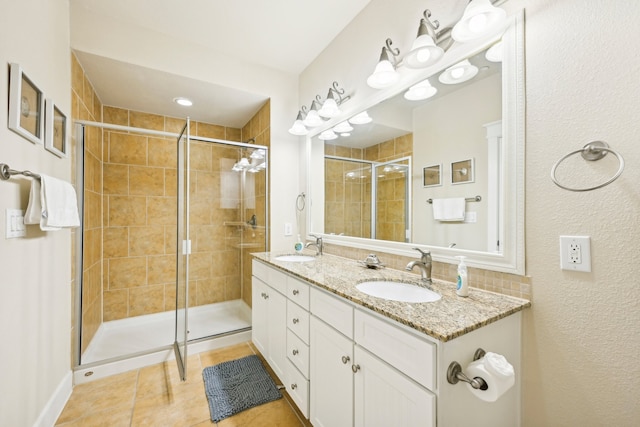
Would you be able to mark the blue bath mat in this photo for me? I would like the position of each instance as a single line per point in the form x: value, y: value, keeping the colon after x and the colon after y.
x: 234, y: 386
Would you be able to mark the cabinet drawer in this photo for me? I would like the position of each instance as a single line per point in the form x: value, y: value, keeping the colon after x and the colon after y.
x: 332, y: 311
x: 298, y: 353
x: 298, y: 321
x: 298, y: 291
x: 271, y: 276
x: 408, y: 353
x: 298, y: 388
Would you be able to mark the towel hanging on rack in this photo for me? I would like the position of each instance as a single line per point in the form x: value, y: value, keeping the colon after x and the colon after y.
x: 52, y: 204
x: 451, y: 209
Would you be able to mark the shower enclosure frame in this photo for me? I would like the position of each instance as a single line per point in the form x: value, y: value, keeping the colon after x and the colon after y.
x: 79, y: 135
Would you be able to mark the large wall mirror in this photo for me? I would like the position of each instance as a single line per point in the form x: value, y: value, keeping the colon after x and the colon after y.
x: 395, y: 173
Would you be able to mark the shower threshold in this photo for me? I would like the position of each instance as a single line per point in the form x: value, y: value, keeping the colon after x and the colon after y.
x: 140, y: 337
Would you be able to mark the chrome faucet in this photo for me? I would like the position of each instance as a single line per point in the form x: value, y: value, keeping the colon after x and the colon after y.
x: 318, y: 244
x: 424, y: 265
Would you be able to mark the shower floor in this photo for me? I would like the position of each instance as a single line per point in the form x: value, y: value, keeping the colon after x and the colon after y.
x: 124, y: 337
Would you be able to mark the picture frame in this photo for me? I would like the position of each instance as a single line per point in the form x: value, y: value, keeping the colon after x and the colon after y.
x: 55, y: 135
x: 432, y: 175
x: 26, y: 106
x: 463, y: 172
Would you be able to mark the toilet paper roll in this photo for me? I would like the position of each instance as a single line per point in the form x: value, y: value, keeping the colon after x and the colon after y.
x: 496, y: 371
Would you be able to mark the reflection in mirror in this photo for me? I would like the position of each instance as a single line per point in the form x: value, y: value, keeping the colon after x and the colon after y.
x: 404, y: 174
x: 368, y: 194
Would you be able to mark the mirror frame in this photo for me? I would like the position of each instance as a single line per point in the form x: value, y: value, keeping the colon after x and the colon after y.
x: 512, y: 258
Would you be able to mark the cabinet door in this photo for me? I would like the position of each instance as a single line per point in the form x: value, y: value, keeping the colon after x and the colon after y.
x: 330, y: 376
x: 259, y: 333
x: 385, y: 397
x: 277, y: 332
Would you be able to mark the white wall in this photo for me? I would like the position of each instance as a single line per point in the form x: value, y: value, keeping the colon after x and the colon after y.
x: 95, y: 34
x: 581, y: 340
x: 35, y: 273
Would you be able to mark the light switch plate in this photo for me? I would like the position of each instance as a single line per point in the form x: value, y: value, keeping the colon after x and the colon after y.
x: 14, y: 224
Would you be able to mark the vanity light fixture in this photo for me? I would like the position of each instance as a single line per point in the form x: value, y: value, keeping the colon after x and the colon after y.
x: 458, y: 73
x: 361, y: 118
x: 330, y: 105
x: 424, y: 50
x: 298, y: 127
x: 494, y: 53
x: 385, y: 73
x: 343, y: 127
x: 183, y: 101
x: 479, y: 18
x: 313, y: 119
x: 328, y: 135
x: 420, y: 91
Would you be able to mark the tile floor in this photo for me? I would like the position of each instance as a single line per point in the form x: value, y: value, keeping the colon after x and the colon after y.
x: 155, y: 396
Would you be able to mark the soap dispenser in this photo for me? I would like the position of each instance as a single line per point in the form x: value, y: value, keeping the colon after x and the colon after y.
x: 462, y: 288
x: 298, y: 246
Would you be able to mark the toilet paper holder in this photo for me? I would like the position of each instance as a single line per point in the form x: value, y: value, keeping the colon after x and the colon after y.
x: 455, y: 374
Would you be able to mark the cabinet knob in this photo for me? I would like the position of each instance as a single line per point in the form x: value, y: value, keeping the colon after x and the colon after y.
x: 294, y: 386
x: 295, y: 352
x: 296, y: 292
x: 295, y: 321
x: 355, y: 368
x: 345, y: 359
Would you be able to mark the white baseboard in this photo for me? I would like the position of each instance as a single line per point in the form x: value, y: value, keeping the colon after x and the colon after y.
x: 55, y: 405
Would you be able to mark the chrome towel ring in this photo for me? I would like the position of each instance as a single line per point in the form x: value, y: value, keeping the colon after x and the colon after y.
x: 594, y: 150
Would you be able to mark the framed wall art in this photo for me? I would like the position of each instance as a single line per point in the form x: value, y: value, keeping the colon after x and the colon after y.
x: 26, y: 106
x: 55, y: 133
x: 432, y: 175
x: 462, y: 172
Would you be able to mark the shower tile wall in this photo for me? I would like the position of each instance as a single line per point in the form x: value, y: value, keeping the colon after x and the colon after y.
x: 140, y: 217
x: 348, y: 201
x: 87, y: 106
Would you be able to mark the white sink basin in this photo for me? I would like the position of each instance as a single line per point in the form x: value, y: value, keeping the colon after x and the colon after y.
x: 295, y: 258
x: 397, y: 291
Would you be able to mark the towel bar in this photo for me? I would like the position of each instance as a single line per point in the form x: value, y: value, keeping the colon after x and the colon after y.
x: 6, y: 172
x: 468, y: 199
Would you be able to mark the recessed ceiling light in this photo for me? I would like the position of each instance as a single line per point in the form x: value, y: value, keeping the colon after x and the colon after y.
x: 183, y: 101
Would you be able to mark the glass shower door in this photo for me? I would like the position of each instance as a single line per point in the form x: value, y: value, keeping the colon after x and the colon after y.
x: 183, y: 250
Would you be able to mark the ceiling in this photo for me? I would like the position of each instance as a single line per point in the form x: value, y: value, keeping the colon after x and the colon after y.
x: 279, y: 34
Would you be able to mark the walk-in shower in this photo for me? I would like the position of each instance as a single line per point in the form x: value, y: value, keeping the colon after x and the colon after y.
x: 169, y: 225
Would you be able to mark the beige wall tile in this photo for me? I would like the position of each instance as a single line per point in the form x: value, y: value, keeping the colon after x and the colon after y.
x: 77, y: 77
x: 163, y: 152
x: 173, y: 124
x: 127, y: 149
x: 116, y: 179
x: 161, y: 211
x: 146, y: 241
x: 116, y: 304
x: 200, y: 156
x: 161, y: 269
x: 115, y: 115
x: 125, y: 210
x: 170, y: 182
x: 210, y: 131
x: 233, y: 134
x: 116, y: 242
x: 146, y: 181
x: 141, y: 120
x: 146, y: 300
x: 127, y: 272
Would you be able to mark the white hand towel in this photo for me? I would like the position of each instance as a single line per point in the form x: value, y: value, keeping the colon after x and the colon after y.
x: 33, y: 215
x: 59, y: 203
x: 451, y: 209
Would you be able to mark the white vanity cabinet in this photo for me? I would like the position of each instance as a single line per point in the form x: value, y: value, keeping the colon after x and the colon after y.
x: 346, y: 365
x: 268, y: 318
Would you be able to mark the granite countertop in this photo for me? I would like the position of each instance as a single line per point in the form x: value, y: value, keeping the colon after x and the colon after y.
x: 445, y: 319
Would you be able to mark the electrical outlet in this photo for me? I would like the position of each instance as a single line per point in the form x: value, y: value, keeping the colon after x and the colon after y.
x: 575, y: 253
x: 288, y: 229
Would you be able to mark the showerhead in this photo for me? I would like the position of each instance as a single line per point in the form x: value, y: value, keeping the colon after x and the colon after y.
x: 250, y: 140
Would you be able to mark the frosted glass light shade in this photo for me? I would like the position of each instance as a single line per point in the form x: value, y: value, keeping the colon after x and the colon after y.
x: 361, y: 118
x: 343, y: 127
x: 313, y: 119
x: 494, y: 54
x: 329, y: 109
x: 298, y: 128
x: 420, y: 91
x: 383, y: 76
x: 479, y: 18
x: 328, y: 135
x: 461, y: 72
x: 423, y: 53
